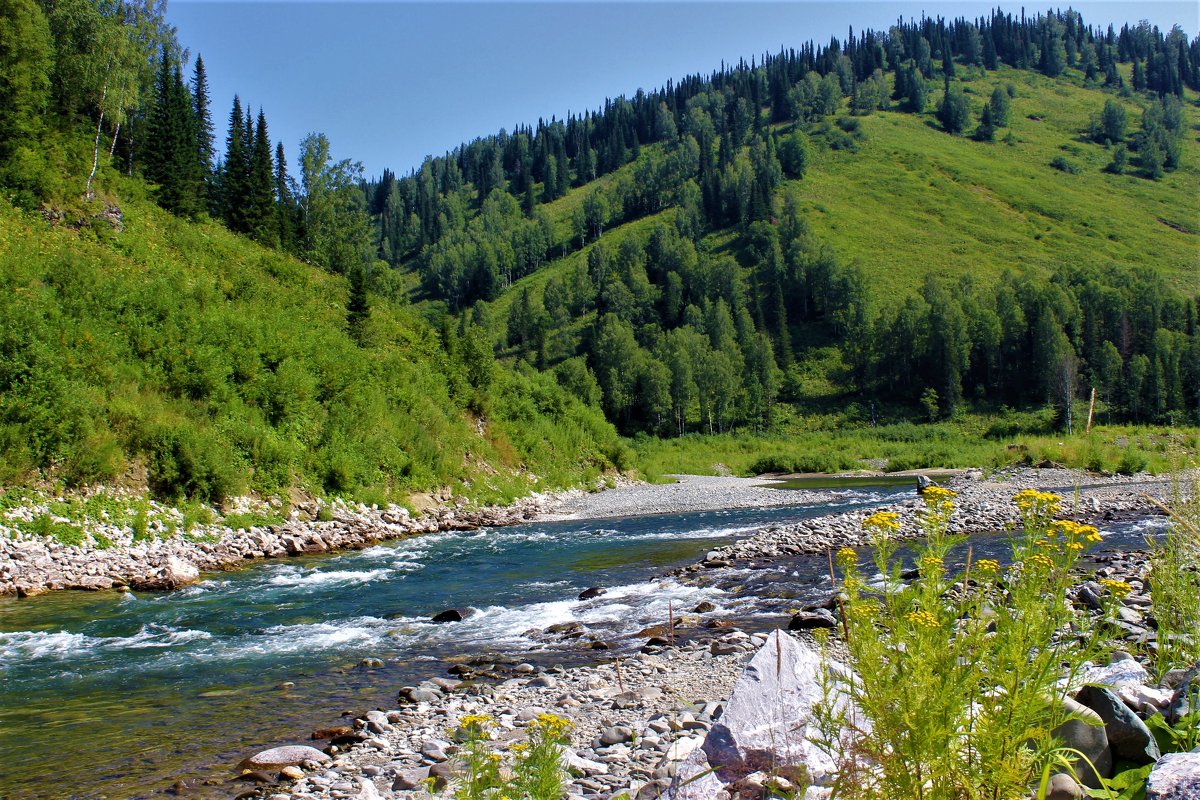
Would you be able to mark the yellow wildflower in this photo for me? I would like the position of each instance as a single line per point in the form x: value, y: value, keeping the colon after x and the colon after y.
x: 847, y: 557
x: 480, y: 721
x: 883, y: 521
x: 1045, y: 544
x: 1116, y: 588
x: 937, y: 494
x: 551, y: 725
x: 987, y: 566
x: 921, y: 619
x: 1041, y: 560
x: 1033, y: 501
x: 1076, y: 546
x: 932, y: 564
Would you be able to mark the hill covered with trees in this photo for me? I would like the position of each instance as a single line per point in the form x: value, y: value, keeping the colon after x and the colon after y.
x: 950, y: 214
x: 144, y: 342
x: 998, y: 212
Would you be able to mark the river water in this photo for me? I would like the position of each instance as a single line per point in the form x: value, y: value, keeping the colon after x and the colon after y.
x: 114, y: 695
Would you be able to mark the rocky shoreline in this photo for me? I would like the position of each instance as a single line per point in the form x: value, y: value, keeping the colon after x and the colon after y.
x: 638, y: 719
x: 32, y: 565
x: 110, y: 558
x: 981, y: 506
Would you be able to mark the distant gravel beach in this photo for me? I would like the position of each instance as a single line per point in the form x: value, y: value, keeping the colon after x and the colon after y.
x: 688, y: 493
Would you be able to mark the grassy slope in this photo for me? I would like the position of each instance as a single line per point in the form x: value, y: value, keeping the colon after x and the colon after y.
x: 914, y: 200
x: 178, y: 354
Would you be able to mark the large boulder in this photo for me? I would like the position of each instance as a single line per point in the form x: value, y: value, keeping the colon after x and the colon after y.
x: 1185, y: 695
x: 1127, y: 735
x: 768, y: 725
x: 1085, y: 732
x: 287, y: 756
x: 453, y: 615
x: 1176, y: 776
x: 174, y: 573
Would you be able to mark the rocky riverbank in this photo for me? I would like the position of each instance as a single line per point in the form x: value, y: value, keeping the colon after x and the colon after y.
x: 983, y: 505
x: 634, y: 720
x: 687, y: 493
x: 639, y: 720
x: 112, y: 556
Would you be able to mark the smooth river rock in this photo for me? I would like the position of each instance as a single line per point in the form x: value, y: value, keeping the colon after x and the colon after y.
x: 287, y: 756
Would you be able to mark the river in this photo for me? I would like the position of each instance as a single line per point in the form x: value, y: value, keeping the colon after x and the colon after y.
x: 120, y: 695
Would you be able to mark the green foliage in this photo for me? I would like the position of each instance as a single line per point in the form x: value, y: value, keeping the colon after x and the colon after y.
x: 961, y: 700
x: 245, y: 521
x: 535, y: 767
x: 953, y: 110
x: 219, y: 366
x: 1061, y: 164
x: 1175, y: 589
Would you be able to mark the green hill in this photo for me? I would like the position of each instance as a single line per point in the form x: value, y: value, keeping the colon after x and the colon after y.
x: 717, y: 280
x: 176, y: 355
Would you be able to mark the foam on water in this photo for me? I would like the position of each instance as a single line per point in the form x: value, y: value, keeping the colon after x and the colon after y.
x: 295, y: 576
x: 312, y: 637
x: 21, y: 645
x: 62, y: 645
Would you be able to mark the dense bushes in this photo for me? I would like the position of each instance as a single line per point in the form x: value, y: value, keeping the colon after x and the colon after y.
x: 210, y: 366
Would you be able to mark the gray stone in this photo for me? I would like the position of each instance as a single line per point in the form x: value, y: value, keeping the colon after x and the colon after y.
x: 616, y: 734
x: 1063, y: 787
x: 287, y: 756
x: 582, y: 767
x: 453, y: 615
x: 592, y: 592
x: 1121, y: 672
x: 435, y: 750
x: 767, y: 723
x: 811, y: 620
x: 1176, y: 776
x: 1085, y: 733
x: 1184, y: 700
x: 1127, y: 735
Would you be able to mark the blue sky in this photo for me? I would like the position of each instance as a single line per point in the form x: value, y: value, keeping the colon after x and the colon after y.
x: 391, y: 82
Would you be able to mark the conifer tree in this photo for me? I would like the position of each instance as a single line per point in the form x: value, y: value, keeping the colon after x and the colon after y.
x: 286, y: 220
x: 205, y: 150
x: 235, y: 176
x: 171, y: 150
x: 260, y: 211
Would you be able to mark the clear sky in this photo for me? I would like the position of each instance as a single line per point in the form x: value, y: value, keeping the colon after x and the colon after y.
x: 392, y: 82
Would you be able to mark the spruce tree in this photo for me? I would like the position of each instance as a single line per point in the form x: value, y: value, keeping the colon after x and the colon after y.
x: 235, y: 178
x: 260, y: 212
x: 205, y: 150
x: 171, y: 150
x: 285, y: 208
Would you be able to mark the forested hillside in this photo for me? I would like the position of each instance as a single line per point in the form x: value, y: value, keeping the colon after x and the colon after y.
x: 998, y: 212
x: 164, y: 352
x: 952, y: 214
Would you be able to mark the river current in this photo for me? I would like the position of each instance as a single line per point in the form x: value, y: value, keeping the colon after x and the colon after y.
x: 115, y: 695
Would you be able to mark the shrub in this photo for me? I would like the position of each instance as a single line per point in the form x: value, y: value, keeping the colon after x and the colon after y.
x: 1061, y: 164
x: 962, y: 701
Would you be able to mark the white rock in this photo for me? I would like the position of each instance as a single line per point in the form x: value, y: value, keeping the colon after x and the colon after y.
x: 683, y: 748
x: 769, y: 712
x: 1176, y: 776
x: 1117, y: 675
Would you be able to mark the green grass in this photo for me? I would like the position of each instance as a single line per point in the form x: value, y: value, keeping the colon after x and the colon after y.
x: 976, y: 441
x: 914, y: 200
x: 175, y: 357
